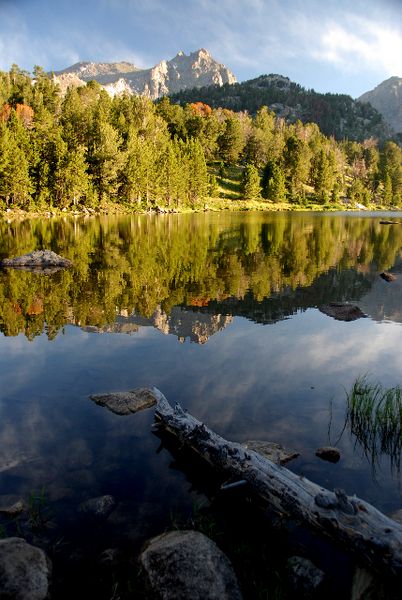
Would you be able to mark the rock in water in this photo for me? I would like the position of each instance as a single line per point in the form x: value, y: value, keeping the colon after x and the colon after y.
x: 186, y: 564
x: 274, y: 452
x: 11, y: 505
x: 38, y: 260
x: 328, y: 453
x: 305, y: 579
x: 99, y: 507
x: 126, y: 403
x: 25, y: 571
x: 342, y: 311
x: 387, y: 276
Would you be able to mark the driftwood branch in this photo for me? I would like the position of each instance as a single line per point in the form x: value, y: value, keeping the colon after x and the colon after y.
x: 374, y: 539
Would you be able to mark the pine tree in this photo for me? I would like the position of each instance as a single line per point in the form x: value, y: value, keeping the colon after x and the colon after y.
x: 323, y: 176
x: 76, y: 182
x: 276, y: 186
x: 15, y: 184
x: 231, y: 141
x: 251, y: 188
x: 105, y: 159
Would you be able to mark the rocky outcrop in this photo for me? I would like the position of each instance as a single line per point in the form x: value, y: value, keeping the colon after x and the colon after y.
x: 25, y: 571
x: 186, y: 564
x: 387, y: 99
x: 38, y: 260
x: 196, y: 70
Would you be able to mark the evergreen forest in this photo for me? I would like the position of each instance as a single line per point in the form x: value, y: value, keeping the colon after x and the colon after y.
x: 87, y: 150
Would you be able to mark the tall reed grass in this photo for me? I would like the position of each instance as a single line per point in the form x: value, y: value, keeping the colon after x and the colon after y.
x: 375, y: 417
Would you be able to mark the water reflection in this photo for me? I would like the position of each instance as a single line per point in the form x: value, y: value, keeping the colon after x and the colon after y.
x: 263, y: 267
x: 209, y: 279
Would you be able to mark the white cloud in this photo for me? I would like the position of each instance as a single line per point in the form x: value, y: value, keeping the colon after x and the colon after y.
x: 366, y: 44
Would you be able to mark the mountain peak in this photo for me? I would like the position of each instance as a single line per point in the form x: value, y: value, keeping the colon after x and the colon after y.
x: 386, y: 97
x: 197, y: 69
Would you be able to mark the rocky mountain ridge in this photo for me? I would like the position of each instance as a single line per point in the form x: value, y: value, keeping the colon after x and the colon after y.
x: 337, y: 115
x: 387, y: 99
x: 197, y: 69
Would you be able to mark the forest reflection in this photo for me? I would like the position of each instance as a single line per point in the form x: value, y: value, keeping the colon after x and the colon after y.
x: 189, y: 274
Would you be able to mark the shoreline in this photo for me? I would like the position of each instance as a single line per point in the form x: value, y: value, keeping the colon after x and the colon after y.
x: 210, y: 205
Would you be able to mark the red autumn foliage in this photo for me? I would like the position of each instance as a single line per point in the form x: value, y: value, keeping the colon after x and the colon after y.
x: 5, y: 112
x: 201, y: 109
x: 23, y: 111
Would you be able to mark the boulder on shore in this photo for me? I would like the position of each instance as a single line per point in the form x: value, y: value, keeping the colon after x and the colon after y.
x: 342, y: 311
x: 38, y: 260
x: 186, y: 564
x: 25, y: 571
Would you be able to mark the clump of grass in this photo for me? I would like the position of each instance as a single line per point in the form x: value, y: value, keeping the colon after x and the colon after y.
x: 375, y: 417
x: 37, y: 509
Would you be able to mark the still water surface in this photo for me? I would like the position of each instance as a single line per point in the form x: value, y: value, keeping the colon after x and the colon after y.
x: 220, y: 312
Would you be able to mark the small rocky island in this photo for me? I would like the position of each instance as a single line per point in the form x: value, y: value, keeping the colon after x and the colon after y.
x: 38, y: 260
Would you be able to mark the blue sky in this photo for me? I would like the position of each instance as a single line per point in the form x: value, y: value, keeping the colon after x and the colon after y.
x: 337, y: 46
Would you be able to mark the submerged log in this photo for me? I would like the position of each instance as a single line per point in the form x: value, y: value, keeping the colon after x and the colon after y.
x: 374, y: 539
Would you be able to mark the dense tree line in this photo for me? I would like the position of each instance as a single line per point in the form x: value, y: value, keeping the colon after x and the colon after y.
x: 87, y: 148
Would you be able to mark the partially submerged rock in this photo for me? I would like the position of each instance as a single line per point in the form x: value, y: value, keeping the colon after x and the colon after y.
x: 38, y: 260
x: 11, y: 506
x: 387, y: 276
x: 329, y: 453
x: 126, y: 403
x: 186, y: 564
x: 274, y: 452
x: 25, y: 571
x: 342, y: 311
x: 305, y: 579
x: 99, y: 507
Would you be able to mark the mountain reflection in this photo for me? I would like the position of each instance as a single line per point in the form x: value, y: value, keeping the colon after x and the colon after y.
x: 188, y: 275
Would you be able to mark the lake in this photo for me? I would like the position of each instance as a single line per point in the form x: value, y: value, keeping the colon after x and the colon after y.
x: 220, y: 311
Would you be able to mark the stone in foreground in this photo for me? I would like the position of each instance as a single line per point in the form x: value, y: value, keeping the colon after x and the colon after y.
x: 328, y: 453
x: 274, y: 452
x: 25, y: 571
x: 186, y: 564
x: 126, y: 403
x: 342, y: 311
x: 38, y: 260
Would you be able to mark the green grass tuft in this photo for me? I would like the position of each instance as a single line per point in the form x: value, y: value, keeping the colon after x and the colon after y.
x: 375, y: 417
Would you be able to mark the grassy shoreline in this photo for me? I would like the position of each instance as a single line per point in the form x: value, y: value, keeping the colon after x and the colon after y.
x: 209, y: 205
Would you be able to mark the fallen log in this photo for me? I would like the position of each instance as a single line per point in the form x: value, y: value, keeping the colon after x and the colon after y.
x: 373, y: 539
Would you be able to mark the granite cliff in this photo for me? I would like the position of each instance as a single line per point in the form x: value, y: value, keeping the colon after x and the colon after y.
x: 195, y: 70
